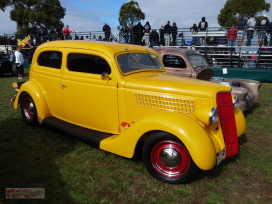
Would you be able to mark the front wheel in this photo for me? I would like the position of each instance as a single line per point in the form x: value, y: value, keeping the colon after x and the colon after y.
x: 167, y: 159
x: 28, y: 109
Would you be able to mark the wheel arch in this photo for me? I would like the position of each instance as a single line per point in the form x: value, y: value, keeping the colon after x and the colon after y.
x: 195, y: 138
x: 37, y: 95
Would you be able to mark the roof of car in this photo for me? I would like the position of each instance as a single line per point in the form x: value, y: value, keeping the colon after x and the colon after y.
x: 173, y: 50
x: 101, y: 46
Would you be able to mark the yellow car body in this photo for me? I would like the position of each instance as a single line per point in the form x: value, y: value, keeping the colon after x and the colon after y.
x: 129, y: 99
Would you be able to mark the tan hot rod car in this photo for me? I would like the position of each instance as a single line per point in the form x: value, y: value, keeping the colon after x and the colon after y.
x: 190, y: 63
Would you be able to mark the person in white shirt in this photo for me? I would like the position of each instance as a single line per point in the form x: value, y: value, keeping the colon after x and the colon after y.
x: 19, y: 61
x: 250, y: 29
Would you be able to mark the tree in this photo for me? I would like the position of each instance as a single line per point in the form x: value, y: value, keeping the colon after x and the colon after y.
x: 4, y: 4
x: 130, y: 13
x: 32, y: 13
x: 234, y: 9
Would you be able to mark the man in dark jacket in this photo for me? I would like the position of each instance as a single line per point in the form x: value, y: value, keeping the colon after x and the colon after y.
x: 167, y: 32
x: 31, y: 52
x: 154, y: 38
x: 241, y: 26
x: 107, y: 30
x: 139, y: 33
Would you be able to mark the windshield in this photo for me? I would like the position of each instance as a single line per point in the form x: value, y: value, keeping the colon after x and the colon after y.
x: 197, y: 61
x: 130, y: 62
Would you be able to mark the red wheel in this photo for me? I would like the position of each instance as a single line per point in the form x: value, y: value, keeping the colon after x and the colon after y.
x: 167, y: 159
x: 28, y: 109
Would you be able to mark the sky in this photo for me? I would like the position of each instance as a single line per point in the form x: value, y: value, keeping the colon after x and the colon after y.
x: 90, y: 15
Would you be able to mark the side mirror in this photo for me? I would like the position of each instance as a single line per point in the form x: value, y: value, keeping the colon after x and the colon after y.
x: 105, y: 76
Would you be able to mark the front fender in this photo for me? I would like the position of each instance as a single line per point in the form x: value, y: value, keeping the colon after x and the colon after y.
x: 190, y: 132
x: 37, y: 95
x: 240, y: 122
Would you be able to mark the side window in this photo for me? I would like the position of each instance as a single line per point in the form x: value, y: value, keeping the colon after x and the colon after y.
x: 173, y: 61
x: 88, y: 64
x: 50, y: 59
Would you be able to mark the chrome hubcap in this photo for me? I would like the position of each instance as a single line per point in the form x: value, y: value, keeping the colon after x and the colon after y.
x: 170, y: 158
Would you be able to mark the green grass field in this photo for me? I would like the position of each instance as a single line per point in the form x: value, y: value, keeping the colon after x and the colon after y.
x: 74, y: 172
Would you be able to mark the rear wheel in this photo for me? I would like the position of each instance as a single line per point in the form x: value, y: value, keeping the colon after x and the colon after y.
x: 167, y: 159
x: 28, y: 109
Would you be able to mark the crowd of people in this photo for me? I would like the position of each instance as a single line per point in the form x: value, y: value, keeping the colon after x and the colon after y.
x: 168, y: 34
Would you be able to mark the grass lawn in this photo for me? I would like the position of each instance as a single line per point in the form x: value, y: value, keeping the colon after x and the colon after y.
x: 74, y: 172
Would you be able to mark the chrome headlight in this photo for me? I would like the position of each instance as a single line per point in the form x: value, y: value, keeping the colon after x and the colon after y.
x: 213, y: 116
x: 235, y: 102
x: 206, y: 115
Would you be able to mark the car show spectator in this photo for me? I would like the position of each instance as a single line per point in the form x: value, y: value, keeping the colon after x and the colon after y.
x: 202, y: 26
x: 174, y: 31
x: 262, y: 27
x: 19, y: 62
x: 31, y: 52
x: 107, y: 31
x: 124, y: 31
x: 66, y: 32
x: 154, y: 38
x: 241, y: 26
x: 147, y: 29
x: 131, y: 33
x: 232, y: 36
x: 194, y: 30
x: 250, y: 29
x: 167, y: 32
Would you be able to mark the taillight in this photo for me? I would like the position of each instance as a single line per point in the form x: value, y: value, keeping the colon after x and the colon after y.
x: 227, y: 120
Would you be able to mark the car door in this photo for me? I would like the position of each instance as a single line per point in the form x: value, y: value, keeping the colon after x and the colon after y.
x: 88, y: 100
x: 46, y: 70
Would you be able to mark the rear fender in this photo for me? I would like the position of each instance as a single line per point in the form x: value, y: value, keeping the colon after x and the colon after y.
x: 190, y: 132
x: 37, y: 95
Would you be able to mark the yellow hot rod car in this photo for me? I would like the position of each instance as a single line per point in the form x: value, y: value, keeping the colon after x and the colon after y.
x: 118, y: 95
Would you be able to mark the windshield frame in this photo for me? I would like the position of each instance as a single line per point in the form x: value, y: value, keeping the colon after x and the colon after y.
x: 194, y: 65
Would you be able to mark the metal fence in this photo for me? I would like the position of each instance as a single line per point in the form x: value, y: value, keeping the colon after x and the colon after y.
x: 208, y: 42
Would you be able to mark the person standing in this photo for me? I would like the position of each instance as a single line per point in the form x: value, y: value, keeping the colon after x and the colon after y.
x: 131, y: 33
x: 232, y: 36
x: 147, y: 28
x: 138, y: 31
x: 31, y: 52
x: 270, y: 31
x: 107, y: 30
x: 174, y: 30
x: 66, y: 32
x: 19, y: 62
x: 194, y: 30
x: 250, y: 29
x: 241, y: 25
x: 161, y: 31
x: 167, y: 32
x: 124, y: 31
x: 202, y: 27
x: 154, y: 38
x: 262, y: 27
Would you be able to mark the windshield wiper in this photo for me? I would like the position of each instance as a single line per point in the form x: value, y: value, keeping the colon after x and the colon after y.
x: 131, y: 56
x: 149, y: 54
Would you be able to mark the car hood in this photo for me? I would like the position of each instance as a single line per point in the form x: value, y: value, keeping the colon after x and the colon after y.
x: 164, y: 83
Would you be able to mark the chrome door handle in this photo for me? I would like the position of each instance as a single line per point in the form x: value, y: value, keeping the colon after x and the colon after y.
x: 63, y: 85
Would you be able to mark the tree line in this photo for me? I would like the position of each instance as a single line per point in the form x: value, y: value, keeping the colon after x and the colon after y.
x: 29, y: 14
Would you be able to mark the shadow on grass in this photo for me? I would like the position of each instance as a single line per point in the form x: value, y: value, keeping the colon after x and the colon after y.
x: 28, y: 160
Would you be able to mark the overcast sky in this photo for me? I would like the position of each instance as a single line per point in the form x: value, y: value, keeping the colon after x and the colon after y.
x: 90, y: 15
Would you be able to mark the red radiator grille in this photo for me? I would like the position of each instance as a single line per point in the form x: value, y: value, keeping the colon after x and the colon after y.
x: 227, y: 120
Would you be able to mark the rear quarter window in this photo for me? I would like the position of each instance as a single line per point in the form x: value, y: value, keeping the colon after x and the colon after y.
x: 51, y: 59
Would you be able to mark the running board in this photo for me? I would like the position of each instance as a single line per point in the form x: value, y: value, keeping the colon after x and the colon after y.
x: 94, y: 137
